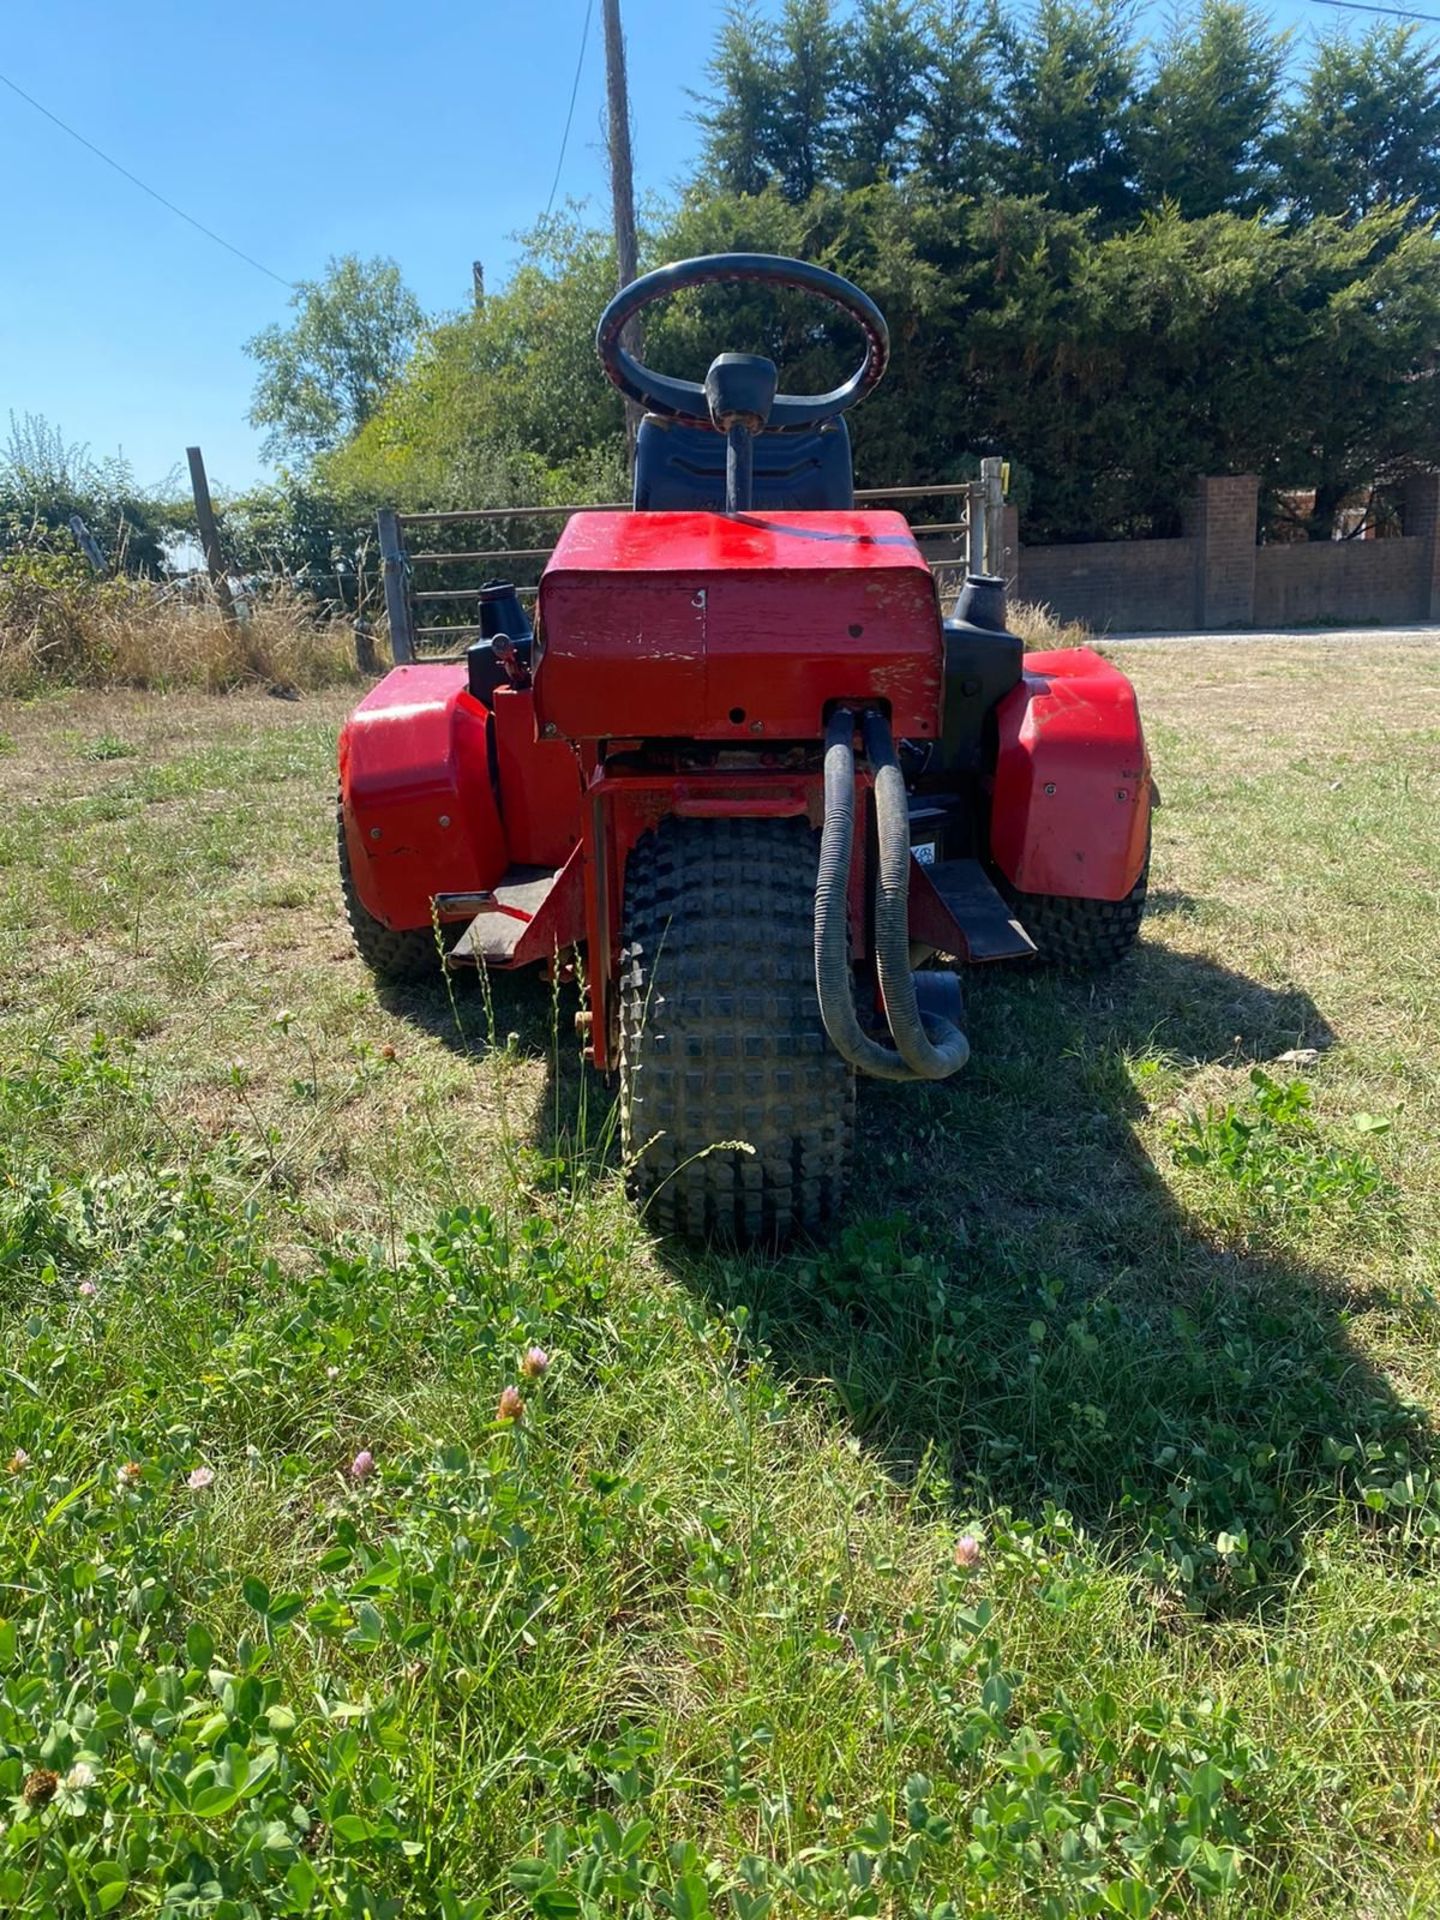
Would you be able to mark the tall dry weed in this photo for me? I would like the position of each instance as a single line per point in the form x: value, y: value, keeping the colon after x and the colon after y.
x: 1037, y: 625
x: 1042, y: 631
x: 59, y: 625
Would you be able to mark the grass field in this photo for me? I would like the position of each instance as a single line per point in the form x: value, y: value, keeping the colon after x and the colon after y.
x: 1062, y: 1539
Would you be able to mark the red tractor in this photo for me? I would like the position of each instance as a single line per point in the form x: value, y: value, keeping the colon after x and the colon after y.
x: 664, y: 779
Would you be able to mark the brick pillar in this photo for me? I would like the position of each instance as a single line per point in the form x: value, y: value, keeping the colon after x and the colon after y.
x: 1421, y: 520
x: 1220, y: 519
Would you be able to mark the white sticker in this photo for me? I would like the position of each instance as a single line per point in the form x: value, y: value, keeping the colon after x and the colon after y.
x: 924, y: 853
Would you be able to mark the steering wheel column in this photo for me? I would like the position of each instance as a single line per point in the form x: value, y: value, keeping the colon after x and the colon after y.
x: 740, y: 391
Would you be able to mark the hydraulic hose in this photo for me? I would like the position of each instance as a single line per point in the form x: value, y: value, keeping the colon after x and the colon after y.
x: 932, y: 1048
x: 832, y: 934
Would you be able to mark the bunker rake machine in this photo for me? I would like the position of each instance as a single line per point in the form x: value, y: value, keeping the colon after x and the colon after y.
x: 748, y: 768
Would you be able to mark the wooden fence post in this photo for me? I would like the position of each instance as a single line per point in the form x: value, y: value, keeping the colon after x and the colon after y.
x: 993, y: 487
x: 974, y: 528
x: 210, y: 536
x: 397, y: 586
x: 87, y: 543
x: 365, y: 658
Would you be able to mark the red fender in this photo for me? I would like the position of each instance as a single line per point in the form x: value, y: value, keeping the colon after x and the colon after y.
x: 1070, y: 813
x: 416, y: 793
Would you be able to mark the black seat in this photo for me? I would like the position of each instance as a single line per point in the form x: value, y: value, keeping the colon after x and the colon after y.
x: 682, y: 469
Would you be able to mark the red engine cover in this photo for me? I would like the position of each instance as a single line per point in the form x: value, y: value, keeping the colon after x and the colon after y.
x: 1071, y: 807
x: 706, y: 626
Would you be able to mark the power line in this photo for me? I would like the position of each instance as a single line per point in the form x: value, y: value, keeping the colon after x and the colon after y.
x: 135, y: 181
x: 1400, y: 13
x: 574, y: 92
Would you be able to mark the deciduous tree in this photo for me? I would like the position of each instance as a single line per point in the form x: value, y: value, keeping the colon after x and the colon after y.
x: 44, y: 478
x: 323, y: 376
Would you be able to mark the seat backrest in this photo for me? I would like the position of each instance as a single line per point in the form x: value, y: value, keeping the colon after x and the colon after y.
x: 682, y: 469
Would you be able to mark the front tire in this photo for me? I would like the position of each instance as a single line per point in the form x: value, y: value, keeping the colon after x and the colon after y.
x: 721, y: 1039
x: 1083, y: 936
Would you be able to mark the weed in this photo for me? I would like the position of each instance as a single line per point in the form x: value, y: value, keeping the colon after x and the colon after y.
x: 108, y: 747
x: 1272, y: 1153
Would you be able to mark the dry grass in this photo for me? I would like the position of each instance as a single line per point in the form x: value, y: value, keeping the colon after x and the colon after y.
x: 1042, y: 631
x: 1037, y: 625
x: 60, y: 628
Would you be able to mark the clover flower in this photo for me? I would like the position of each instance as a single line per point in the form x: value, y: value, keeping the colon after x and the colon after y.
x: 40, y: 1788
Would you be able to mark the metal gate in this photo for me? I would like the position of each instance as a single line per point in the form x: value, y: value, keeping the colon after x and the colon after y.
x: 430, y: 588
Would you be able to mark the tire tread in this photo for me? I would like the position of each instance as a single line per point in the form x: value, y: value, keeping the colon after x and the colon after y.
x: 721, y: 1036
x: 1082, y: 936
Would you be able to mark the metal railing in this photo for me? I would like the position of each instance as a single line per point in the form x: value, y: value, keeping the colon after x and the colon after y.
x: 976, y: 534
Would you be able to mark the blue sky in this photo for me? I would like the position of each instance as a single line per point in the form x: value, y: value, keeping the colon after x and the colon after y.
x: 297, y: 129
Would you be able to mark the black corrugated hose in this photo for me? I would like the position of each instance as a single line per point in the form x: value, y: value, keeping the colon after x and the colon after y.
x: 932, y: 1048
x: 927, y: 1047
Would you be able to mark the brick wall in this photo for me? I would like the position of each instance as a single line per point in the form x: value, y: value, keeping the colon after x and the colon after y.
x: 1113, y: 584
x: 1341, y: 581
x: 1216, y: 576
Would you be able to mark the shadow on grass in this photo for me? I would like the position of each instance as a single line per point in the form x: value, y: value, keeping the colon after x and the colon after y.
x: 470, y: 1013
x: 1017, y: 1311
x: 570, y: 1123
x: 1171, y: 900
x: 1020, y: 1313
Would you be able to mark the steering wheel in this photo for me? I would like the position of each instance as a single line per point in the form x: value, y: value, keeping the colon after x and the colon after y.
x: 684, y: 400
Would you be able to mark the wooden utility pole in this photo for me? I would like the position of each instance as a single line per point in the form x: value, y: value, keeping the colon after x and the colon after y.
x: 210, y: 536
x: 622, y: 183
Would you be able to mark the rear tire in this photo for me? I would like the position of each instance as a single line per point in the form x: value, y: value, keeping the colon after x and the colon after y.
x: 406, y: 955
x: 721, y: 1037
x: 1083, y: 936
